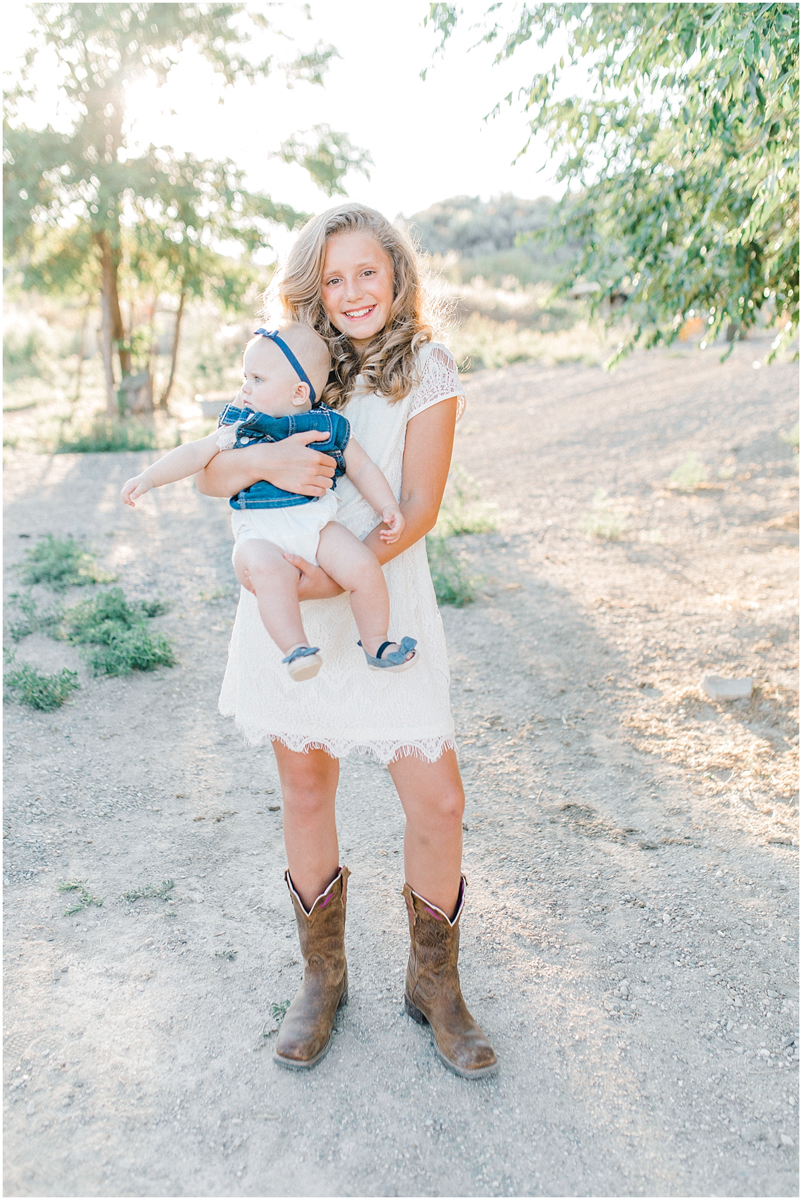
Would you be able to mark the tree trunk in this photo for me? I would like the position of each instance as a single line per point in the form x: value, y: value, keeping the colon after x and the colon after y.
x: 106, y: 347
x: 151, y: 333
x: 112, y: 329
x: 174, y: 359
x: 82, y: 351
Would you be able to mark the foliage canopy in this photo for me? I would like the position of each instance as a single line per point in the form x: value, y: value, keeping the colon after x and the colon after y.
x: 682, y: 165
x: 81, y: 206
x: 471, y: 226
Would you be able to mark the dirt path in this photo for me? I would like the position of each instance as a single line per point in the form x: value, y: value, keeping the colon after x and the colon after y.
x: 629, y: 942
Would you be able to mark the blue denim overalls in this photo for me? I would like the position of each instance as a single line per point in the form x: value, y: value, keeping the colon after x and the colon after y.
x: 254, y: 427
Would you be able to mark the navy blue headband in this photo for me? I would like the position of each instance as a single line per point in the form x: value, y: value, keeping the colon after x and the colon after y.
x: 293, y: 361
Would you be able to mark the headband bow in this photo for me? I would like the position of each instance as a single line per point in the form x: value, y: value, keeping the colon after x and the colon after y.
x: 288, y: 354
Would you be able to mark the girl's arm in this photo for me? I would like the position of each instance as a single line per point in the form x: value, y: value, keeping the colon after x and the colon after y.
x: 291, y: 464
x: 371, y: 483
x: 427, y: 457
x: 178, y: 464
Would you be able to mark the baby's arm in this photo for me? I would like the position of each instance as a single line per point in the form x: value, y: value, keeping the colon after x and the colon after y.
x: 178, y: 464
x: 370, y: 482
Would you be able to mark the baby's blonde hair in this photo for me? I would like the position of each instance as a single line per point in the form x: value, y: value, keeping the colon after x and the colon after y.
x: 311, y: 351
x: 389, y: 363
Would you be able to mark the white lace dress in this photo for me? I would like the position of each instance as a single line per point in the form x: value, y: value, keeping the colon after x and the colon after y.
x: 346, y: 708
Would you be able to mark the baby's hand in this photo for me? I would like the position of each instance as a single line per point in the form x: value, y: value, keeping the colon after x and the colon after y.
x: 394, y: 520
x: 135, y: 488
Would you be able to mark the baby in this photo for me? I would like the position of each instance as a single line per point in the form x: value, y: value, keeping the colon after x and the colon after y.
x: 276, y: 400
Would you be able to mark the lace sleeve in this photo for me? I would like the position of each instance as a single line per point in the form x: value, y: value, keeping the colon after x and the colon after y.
x: 439, y: 381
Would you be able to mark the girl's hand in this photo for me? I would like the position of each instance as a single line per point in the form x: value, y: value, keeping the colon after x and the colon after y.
x: 133, y: 489
x: 291, y: 464
x: 299, y: 467
x: 314, y: 583
x: 393, y: 518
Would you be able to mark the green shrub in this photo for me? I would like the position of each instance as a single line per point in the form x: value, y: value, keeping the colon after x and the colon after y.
x: 28, y: 350
x: 791, y: 438
x: 61, y: 563
x: 106, y: 436
x: 82, y: 900
x: 29, y: 619
x: 464, y: 510
x: 130, y: 650
x: 452, y: 582
x: 602, y: 521
x: 45, y: 692
x: 115, y: 636
x: 690, y: 473
x: 150, y: 892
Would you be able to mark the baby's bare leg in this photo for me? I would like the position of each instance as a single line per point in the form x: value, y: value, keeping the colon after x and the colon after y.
x: 263, y: 569
x: 356, y: 568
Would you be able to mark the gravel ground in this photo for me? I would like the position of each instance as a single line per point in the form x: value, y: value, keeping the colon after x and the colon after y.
x: 629, y: 941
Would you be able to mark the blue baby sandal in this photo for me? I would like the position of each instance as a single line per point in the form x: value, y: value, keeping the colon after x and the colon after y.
x: 303, y: 662
x: 397, y: 661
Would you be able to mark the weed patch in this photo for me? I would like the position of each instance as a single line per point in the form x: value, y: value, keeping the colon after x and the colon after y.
x: 105, y: 436
x: 453, y: 584
x: 82, y: 900
x: 229, y: 955
x: 27, y: 618
x: 601, y: 520
x: 791, y: 438
x: 689, y: 474
x: 115, y: 636
x: 61, y: 563
x: 465, y: 510
x: 32, y: 687
x: 279, y: 1011
x: 150, y: 892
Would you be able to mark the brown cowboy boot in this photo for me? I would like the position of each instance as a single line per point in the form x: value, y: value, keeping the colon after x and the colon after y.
x: 305, y: 1033
x: 432, y: 995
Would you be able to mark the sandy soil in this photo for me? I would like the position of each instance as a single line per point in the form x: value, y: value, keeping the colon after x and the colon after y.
x: 629, y: 939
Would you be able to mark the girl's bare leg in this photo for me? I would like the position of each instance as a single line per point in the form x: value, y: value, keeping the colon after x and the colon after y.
x: 433, y: 799
x: 309, y: 787
x: 351, y: 564
x: 262, y: 568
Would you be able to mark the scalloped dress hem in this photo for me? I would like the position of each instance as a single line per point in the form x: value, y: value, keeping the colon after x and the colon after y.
x: 384, y: 753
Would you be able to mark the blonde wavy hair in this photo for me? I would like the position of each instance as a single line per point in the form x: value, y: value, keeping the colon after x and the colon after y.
x: 389, y: 363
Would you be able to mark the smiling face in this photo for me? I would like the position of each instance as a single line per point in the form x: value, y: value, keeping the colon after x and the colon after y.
x: 358, y: 286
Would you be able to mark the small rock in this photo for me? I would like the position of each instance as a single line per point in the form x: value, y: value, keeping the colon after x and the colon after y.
x: 31, y: 1109
x: 786, y: 1140
x: 719, y: 688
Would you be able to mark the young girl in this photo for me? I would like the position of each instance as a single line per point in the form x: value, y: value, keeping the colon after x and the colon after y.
x: 276, y: 398
x: 355, y: 279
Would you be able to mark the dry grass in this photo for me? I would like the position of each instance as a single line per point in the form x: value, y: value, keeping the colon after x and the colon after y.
x: 724, y: 751
x: 479, y: 341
